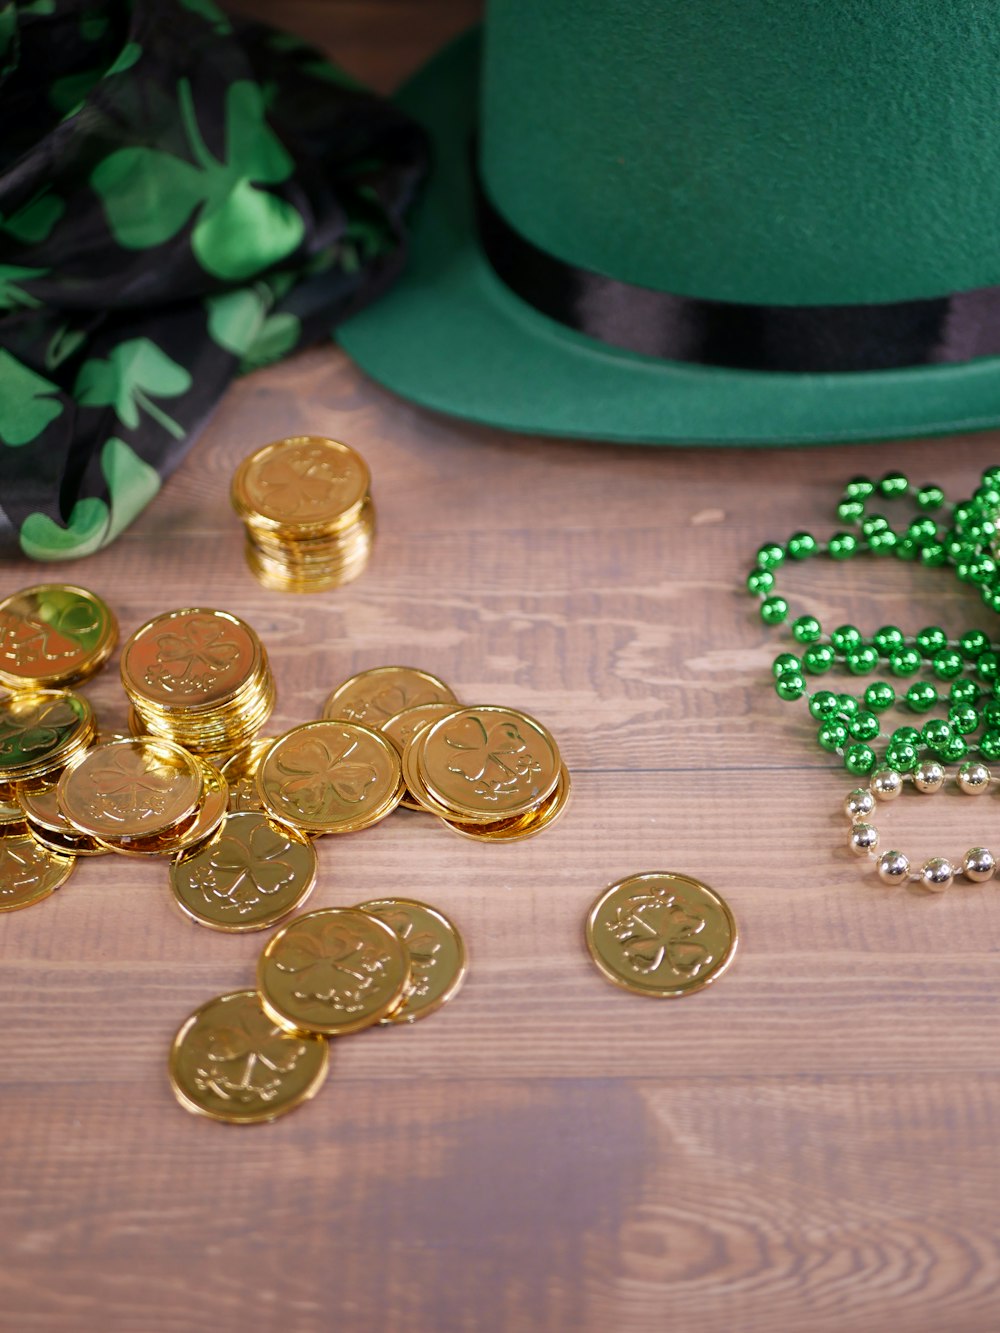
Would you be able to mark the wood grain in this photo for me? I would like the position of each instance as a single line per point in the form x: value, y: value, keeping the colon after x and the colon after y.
x: 809, y: 1145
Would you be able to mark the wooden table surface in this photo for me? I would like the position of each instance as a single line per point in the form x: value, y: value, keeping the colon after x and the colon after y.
x: 809, y: 1145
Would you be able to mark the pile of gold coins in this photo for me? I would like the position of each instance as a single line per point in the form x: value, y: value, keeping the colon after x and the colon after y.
x: 306, y: 505
x: 235, y: 813
x: 489, y: 773
x: 254, y: 1055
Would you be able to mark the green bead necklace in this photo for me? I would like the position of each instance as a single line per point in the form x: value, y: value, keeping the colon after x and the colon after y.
x: 965, y: 671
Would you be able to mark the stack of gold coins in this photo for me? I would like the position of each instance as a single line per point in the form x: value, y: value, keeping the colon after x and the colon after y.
x: 308, y: 512
x: 200, y: 678
x: 254, y: 1055
x: 489, y: 773
x: 143, y: 796
x: 53, y: 634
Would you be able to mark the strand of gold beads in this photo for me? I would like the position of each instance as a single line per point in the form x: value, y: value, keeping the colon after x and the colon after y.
x: 937, y: 873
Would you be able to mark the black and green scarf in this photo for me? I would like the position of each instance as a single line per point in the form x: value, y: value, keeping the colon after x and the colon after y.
x: 183, y: 196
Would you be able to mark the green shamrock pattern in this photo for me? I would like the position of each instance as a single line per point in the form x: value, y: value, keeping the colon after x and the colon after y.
x: 134, y: 374
x: 28, y: 403
x: 189, y: 196
x: 239, y: 229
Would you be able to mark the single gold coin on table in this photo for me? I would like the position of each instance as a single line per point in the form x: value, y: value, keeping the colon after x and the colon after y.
x: 661, y: 934
x: 230, y: 1062
x: 437, y: 954
x: 487, y: 763
x: 522, y: 826
x: 54, y: 634
x: 29, y: 872
x: 332, y: 972
x: 41, y: 732
x: 330, y: 777
x: 136, y: 788
x: 250, y: 875
x: 374, y: 696
x: 302, y: 482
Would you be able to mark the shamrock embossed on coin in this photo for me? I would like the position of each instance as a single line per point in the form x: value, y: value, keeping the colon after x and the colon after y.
x: 485, y: 763
x: 254, y: 873
x: 318, y: 776
x: 492, y: 759
x: 132, y: 786
x: 378, y: 694
x: 53, y: 634
x: 230, y: 1062
x: 302, y: 481
x: 247, y: 1061
x: 336, y: 970
x: 330, y: 777
x: 39, y: 724
x: 193, y: 659
x: 28, y: 871
x: 333, y: 971
x: 437, y: 954
x: 655, y: 931
x: 661, y: 934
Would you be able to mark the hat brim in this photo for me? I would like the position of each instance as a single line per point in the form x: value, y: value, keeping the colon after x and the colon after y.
x: 450, y: 336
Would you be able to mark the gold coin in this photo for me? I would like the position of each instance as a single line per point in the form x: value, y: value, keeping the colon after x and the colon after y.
x: 523, y: 826
x: 254, y: 872
x: 305, y: 481
x: 39, y: 803
x: 487, y: 763
x: 402, y: 727
x: 191, y: 658
x: 240, y: 772
x: 194, y: 830
x: 49, y: 825
x: 66, y: 844
x: 334, y: 971
x: 135, y: 788
x: 11, y: 815
x: 437, y: 954
x: 661, y: 934
x: 230, y: 1062
x: 414, y: 782
x: 330, y: 777
x: 39, y: 732
x: 29, y: 872
x: 372, y: 697
x: 54, y: 634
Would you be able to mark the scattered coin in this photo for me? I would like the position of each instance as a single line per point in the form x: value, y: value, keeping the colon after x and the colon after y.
x: 28, y: 871
x: 41, y: 732
x: 333, y: 971
x: 661, y: 934
x: 230, y: 1062
x: 436, y: 949
x: 374, y: 696
x: 254, y: 872
x: 330, y: 777
x: 54, y: 634
x: 136, y: 788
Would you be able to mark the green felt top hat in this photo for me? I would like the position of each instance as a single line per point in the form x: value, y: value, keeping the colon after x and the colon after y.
x: 706, y: 221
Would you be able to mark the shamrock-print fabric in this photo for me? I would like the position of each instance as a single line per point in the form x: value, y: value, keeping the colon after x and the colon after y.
x: 184, y: 196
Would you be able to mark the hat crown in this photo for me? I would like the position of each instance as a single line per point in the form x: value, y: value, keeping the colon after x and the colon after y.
x: 799, y: 152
